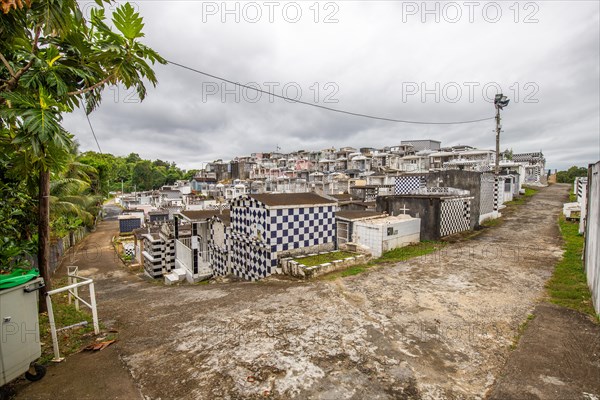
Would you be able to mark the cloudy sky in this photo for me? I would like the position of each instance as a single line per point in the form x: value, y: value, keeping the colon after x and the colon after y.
x: 431, y: 62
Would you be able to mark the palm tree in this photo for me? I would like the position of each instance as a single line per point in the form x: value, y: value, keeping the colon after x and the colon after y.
x: 71, y: 197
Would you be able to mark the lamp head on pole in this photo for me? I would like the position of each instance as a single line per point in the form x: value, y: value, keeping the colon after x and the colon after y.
x: 501, y: 101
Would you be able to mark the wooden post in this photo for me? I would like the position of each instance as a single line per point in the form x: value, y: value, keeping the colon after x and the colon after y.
x: 44, y: 234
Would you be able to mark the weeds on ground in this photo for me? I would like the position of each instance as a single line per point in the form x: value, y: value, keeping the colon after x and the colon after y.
x: 572, y: 197
x: 412, y: 251
x: 522, y: 199
x: 568, y: 287
x: 70, y: 340
x: 318, y: 259
x: 489, y: 223
x: 520, y: 331
x: 392, y: 256
x: 355, y: 270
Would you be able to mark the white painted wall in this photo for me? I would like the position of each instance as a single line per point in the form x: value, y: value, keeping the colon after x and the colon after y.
x: 202, y: 205
x: 508, y: 192
x: 592, y: 236
x: 374, y: 235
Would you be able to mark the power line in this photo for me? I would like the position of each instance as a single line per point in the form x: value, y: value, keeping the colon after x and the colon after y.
x: 93, y: 133
x: 403, y: 121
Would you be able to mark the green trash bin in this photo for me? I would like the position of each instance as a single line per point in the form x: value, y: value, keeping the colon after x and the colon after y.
x: 20, y: 343
x: 17, y: 277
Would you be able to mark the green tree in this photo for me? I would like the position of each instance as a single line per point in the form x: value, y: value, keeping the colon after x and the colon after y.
x: 17, y: 239
x: 110, y: 171
x: 161, y: 163
x: 173, y: 174
x: 104, y: 165
x: 189, y: 174
x: 569, y: 175
x: 53, y: 61
x: 142, y: 175
x: 133, y: 158
x: 74, y: 201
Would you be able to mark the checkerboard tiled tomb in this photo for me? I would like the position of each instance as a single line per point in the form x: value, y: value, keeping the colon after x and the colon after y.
x: 265, y: 227
x: 440, y: 214
x: 153, y: 256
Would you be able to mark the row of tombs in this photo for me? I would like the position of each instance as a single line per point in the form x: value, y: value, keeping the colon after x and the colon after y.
x: 250, y: 239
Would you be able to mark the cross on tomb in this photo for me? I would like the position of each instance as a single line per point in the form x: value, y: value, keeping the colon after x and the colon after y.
x: 404, y: 209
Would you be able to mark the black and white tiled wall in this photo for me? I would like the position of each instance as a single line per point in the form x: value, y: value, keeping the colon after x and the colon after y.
x: 259, y: 233
x: 292, y: 228
x: 455, y: 215
x: 408, y: 184
x: 250, y: 259
x: 487, y: 194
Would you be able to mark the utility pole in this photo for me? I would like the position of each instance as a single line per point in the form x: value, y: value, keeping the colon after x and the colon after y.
x: 500, y: 101
x: 498, y: 128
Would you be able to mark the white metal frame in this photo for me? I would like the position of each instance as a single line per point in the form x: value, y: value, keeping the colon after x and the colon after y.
x: 75, y: 281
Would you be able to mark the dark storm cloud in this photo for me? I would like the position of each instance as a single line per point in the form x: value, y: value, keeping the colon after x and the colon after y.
x: 371, y: 61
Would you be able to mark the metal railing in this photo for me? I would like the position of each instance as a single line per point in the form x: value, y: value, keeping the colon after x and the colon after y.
x: 186, y: 241
x: 75, y: 281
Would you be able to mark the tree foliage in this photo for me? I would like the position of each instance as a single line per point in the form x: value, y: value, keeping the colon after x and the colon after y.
x: 17, y: 230
x: 132, y: 172
x: 569, y: 175
x: 52, y: 61
x: 74, y: 202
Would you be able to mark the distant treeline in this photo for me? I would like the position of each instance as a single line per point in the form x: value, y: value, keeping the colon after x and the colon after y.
x: 569, y: 175
x: 132, y: 172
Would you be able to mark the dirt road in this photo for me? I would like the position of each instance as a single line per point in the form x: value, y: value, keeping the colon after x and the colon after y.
x: 435, y: 327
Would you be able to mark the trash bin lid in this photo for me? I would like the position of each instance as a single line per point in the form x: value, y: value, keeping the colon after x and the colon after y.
x: 17, y: 277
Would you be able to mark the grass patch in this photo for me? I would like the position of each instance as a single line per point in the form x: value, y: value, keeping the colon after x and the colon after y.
x: 568, y: 287
x: 411, y: 251
x: 489, y: 223
x: 71, y: 340
x: 520, y: 331
x: 530, y: 192
x: 396, y: 255
x: 318, y: 259
x: 572, y: 198
x: 522, y: 199
x: 350, y: 271
x: 516, y: 202
x: 354, y: 270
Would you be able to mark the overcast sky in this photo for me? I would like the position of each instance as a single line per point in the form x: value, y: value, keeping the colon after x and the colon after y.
x: 434, y: 61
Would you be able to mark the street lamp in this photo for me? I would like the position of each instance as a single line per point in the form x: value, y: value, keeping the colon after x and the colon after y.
x: 500, y: 101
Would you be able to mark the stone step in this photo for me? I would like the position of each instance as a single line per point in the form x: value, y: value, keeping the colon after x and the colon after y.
x: 180, y: 273
x: 171, y: 279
